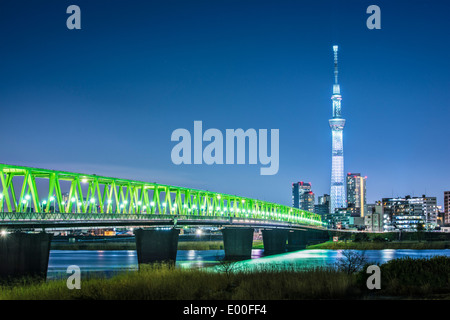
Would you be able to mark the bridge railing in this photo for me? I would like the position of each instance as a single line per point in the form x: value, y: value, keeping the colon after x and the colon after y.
x: 94, y: 196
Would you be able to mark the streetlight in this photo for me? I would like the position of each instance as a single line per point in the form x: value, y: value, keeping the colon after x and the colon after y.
x: 93, y: 204
x: 27, y: 198
x: 24, y: 202
x: 54, y: 203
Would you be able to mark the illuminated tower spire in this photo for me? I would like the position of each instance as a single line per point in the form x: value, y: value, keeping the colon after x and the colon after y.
x: 336, y: 71
x: 337, y: 123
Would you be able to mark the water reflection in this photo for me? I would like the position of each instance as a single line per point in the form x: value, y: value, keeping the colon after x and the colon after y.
x: 388, y: 254
x: 108, y: 263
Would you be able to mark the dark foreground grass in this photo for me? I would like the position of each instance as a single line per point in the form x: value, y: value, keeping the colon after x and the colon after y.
x: 416, y: 277
x: 401, y: 278
x: 162, y: 282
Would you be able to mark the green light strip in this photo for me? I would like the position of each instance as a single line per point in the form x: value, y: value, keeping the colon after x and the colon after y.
x: 120, y: 196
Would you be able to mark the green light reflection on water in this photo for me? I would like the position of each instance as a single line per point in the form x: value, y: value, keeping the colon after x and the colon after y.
x: 298, y: 260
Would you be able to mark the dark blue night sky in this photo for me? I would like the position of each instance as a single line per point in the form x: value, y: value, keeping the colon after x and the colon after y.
x: 105, y: 99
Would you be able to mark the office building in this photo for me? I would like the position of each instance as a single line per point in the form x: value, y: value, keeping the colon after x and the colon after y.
x: 446, y: 207
x: 409, y: 214
x: 356, y: 193
x: 323, y: 205
x: 302, y: 196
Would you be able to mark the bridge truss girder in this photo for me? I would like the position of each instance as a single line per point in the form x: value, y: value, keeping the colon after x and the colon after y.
x: 116, y: 198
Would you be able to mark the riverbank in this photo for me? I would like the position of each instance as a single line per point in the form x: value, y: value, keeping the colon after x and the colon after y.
x: 131, y: 245
x: 404, y: 278
x: 373, y: 245
x: 258, y: 244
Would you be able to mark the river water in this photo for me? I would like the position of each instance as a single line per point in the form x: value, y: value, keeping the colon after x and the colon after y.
x: 110, y: 262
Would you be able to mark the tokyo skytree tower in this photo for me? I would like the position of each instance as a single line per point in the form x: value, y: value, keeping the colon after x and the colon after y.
x: 337, y: 123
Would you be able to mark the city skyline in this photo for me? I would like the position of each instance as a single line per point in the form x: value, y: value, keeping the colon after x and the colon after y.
x: 105, y: 99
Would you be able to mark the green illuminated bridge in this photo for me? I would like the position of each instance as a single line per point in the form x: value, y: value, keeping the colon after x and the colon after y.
x: 38, y: 199
x: 31, y: 197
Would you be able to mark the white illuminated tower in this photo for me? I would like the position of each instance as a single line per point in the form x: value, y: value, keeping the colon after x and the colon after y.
x: 337, y: 123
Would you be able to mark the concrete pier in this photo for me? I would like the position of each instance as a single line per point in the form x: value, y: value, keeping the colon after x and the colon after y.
x: 317, y: 236
x: 274, y: 240
x: 156, y: 245
x: 237, y: 243
x: 24, y: 255
x: 297, y: 240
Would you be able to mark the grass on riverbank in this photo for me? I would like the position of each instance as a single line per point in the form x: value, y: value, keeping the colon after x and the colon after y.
x: 416, y: 277
x: 182, y: 245
x: 382, y: 245
x: 168, y: 283
x: 401, y: 278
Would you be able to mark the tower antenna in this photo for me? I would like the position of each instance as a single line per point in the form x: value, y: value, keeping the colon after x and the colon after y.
x: 335, y: 49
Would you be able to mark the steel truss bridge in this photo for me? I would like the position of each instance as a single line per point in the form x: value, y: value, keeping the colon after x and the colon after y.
x: 82, y: 200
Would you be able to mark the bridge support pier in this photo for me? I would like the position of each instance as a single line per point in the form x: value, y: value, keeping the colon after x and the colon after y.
x: 237, y: 243
x: 317, y: 236
x: 274, y: 240
x: 297, y: 240
x: 156, y: 245
x: 24, y: 255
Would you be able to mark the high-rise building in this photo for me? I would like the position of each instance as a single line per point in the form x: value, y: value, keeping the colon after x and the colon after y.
x: 427, y: 206
x: 337, y: 123
x: 396, y: 215
x: 446, y: 207
x: 356, y: 193
x: 409, y: 214
x: 308, y: 201
x: 302, y: 196
x: 325, y: 199
x: 323, y: 205
x: 298, y: 189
